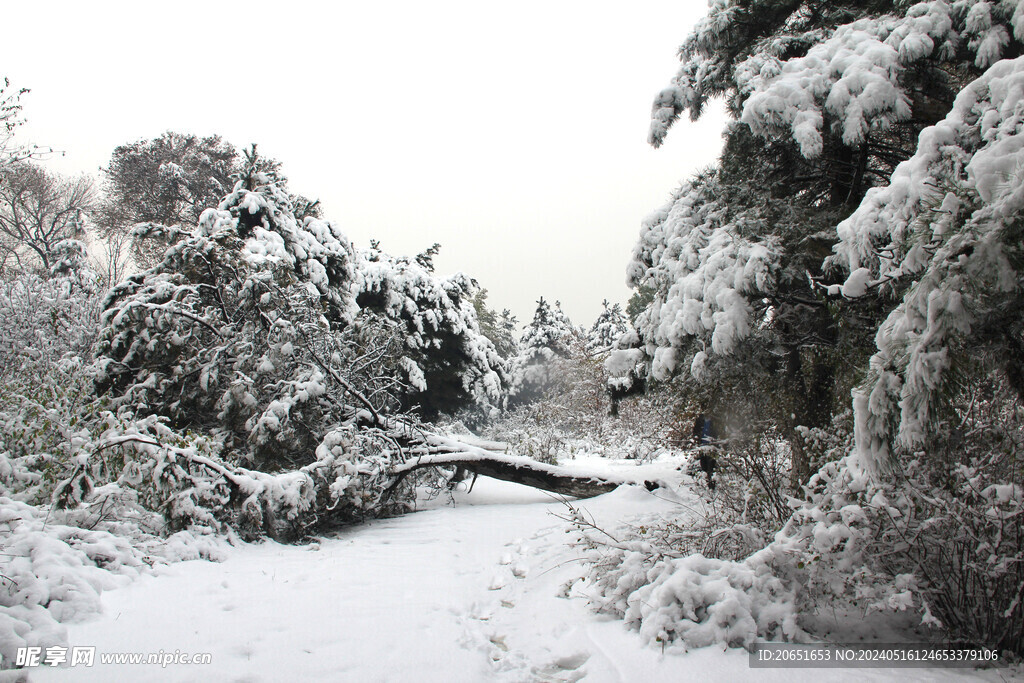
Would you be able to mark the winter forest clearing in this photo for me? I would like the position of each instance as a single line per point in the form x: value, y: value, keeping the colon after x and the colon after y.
x: 492, y: 598
x: 229, y: 430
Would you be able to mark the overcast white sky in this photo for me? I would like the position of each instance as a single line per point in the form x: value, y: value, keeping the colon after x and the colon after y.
x: 514, y: 134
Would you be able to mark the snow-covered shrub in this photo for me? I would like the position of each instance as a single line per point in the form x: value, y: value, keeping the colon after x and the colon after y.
x: 54, y: 564
x: 47, y: 326
x: 938, y: 551
x: 827, y: 444
x: 950, y: 526
x: 828, y: 559
x: 752, y: 481
x: 942, y: 546
x: 702, y: 601
x: 659, y: 576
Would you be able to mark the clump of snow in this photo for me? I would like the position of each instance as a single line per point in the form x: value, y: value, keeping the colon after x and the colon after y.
x: 857, y: 283
x: 621, y: 366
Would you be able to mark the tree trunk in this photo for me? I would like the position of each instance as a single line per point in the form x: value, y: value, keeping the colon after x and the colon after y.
x: 520, y: 470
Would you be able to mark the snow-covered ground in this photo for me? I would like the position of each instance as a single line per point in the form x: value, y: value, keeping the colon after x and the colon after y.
x: 470, y: 591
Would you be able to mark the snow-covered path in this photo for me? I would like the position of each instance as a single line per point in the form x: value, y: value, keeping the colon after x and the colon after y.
x: 464, y: 593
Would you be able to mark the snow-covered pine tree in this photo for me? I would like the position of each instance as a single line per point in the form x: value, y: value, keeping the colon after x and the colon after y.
x: 259, y: 370
x: 448, y: 363
x: 923, y: 516
x: 500, y: 328
x: 245, y: 387
x: 548, y: 337
x: 220, y: 336
x: 828, y: 98
x: 610, y: 326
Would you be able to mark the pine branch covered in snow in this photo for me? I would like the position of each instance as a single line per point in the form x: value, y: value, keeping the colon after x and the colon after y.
x: 947, y: 228
x: 449, y: 363
x: 793, y: 67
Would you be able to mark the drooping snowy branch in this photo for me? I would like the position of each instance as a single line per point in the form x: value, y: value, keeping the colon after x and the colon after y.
x: 949, y: 226
x: 704, y: 266
x: 792, y: 68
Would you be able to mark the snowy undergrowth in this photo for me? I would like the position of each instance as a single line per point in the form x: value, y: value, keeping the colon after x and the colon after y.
x: 496, y: 597
x: 689, y: 579
x: 54, y: 565
x: 857, y: 560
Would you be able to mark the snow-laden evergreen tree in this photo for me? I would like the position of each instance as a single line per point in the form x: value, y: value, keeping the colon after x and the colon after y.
x: 550, y: 329
x: 548, y: 337
x: 610, y: 326
x: 243, y: 353
x: 261, y: 373
x: 922, y: 517
x: 208, y: 337
x: 500, y: 328
x: 828, y: 98
x: 447, y: 362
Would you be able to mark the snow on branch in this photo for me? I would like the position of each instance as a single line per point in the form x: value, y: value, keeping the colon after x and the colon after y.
x: 792, y: 72
x: 947, y: 224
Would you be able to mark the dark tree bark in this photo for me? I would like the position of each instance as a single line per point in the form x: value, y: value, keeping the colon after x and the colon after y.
x: 520, y: 471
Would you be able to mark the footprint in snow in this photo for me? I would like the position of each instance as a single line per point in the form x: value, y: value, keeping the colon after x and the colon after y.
x: 480, y: 611
x: 567, y: 669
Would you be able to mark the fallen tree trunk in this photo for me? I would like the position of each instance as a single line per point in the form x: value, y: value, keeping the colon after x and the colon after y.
x: 443, y: 452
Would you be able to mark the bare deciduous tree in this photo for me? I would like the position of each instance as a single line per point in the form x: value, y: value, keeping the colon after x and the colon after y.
x: 170, y: 180
x: 39, y: 209
x: 10, y: 118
